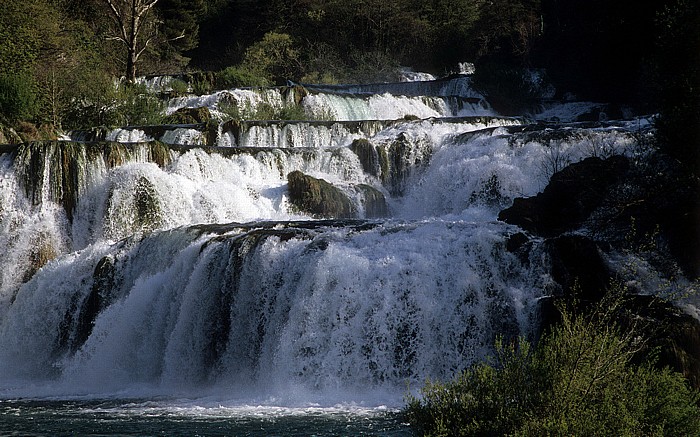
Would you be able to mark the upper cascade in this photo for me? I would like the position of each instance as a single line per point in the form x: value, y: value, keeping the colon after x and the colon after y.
x: 59, y: 197
x: 459, y: 85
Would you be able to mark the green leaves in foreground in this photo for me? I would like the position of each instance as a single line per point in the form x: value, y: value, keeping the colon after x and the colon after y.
x: 580, y: 380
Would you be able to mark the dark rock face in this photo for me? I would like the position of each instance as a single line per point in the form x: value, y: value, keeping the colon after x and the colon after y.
x: 580, y: 270
x: 318, y: 197
x: 189, y: 116
x: 374, y: 201
x: 577, y: 265
x: 368, y: 155
x: 393, y: 163
x: 672, y: 333
x: 569, y: 199
x: 617, y: 204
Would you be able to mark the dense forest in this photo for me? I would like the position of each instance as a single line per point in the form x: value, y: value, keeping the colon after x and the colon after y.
x: 59, y: 52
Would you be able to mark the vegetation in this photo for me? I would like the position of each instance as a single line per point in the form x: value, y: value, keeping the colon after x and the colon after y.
x: 581, y: 379
x: 640, y: 54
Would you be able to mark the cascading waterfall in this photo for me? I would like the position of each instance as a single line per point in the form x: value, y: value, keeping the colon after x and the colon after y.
x: 168, y: 270
x: 323, y: 306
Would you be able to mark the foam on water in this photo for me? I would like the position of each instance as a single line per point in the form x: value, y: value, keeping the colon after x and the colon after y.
x: 329, y: 310
x: 127, y: 273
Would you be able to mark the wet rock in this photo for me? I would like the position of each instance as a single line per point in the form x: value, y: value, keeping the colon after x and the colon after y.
x: 318, y: 197
x: 373, y: 201
x: 585, y: 280
x: 569, y: 199
x: 100, y: 297
x: 368, y: 155
x: 577, y: 264
x: 189, y: 116
x: 42, y: 251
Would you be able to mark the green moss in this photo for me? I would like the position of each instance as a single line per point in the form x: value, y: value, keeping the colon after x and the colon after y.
x: 374, y: 201
x: 369, y: 158
x: 159, y: 153
x: 147, y: 205
x: 189, y: 116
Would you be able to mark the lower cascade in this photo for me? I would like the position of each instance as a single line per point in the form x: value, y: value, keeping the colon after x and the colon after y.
x: 319, y: 306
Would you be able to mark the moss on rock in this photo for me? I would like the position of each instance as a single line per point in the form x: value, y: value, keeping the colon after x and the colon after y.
x: 373, y: 201
x: 189, y: 116
x: 318, y: 197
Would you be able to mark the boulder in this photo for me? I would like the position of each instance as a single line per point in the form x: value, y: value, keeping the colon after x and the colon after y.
x: 569, y: 199
x: 373, y: 201
x: 189, y: 116
x: 318, y: 197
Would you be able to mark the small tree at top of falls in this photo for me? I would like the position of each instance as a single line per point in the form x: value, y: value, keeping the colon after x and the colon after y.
x: 134, y: 27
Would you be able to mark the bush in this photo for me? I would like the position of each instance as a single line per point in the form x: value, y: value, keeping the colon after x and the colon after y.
x: 18, y: 97
x: 179, y: 87
x: 236, y: 77
x: 135, y: 105
x: 275, y: 57
x: 101, y: 103
x: 579, y: 381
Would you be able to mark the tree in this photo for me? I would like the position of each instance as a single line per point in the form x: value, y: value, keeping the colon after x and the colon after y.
x: 135, y: 29
x: 180, y: 28
x: 274, y: 57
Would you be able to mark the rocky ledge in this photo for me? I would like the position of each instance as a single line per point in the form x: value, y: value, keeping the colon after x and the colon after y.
x: 598, y: 206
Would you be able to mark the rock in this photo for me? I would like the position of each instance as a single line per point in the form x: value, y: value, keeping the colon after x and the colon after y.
x: 577, y: 265
x: 673, y: 334
x: 318, y: 197
x: 585, y: 279
x: 373, y: 201
x: 569, y: 199
x: 99, y: 298
x: 369, y: 156
x: 395, y: 162
x: 189, y: 116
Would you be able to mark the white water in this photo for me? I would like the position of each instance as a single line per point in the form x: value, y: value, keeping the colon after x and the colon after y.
x: 282, y: 314
x: 335, y: 310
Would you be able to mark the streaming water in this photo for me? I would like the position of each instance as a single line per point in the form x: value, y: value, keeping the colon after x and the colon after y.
x: 153, y: 289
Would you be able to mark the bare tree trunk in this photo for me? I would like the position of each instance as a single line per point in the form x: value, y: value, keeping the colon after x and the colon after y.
x: 131, y: 17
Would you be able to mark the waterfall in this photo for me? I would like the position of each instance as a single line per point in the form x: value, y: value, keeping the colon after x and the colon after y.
x: 325, y: 306
x: 136, y: 266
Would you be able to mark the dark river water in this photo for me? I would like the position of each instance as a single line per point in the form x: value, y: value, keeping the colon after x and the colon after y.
x: 186, y: 418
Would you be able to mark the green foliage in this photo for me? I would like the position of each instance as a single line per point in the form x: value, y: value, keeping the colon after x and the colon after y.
x: 18, y: 97
x: 236, y: 77
x: 102, y: 103
x: 179, y: 87
x: 580, y: 380
x: 264, y: 111
x: 678, y: 62
x: 274, y: 57
x: 136, y: 106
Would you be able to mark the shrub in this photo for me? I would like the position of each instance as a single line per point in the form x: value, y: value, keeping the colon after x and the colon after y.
x: 102, y: 103
x: 235, y: 77
x: 267, y: 111
x: 135, y: 105
x: 18, y: 97
x: 179, y: 87
x: 579, y: 381
x: 275, y: 57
